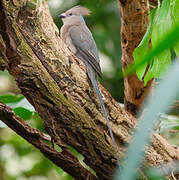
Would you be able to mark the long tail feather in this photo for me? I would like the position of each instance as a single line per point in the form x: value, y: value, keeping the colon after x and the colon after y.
x: 95, y: 86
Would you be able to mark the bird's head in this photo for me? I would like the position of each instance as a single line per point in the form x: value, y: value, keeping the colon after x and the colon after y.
x: 74, y: 15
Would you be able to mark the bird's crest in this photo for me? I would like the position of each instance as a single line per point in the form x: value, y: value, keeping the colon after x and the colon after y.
x: 79, y: 10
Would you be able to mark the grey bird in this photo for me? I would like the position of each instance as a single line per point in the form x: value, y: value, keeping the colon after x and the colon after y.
x: 78, y: 37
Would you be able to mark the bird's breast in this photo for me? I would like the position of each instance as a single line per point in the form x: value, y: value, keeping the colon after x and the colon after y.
x: 70, y: 44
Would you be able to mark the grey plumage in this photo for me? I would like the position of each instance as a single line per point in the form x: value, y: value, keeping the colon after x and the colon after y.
x: 78, y: 37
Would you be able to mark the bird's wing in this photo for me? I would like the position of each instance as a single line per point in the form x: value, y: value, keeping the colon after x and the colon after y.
x: 84, y: 43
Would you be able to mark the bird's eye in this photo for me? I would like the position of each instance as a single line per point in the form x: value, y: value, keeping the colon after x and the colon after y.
x: 70, y: 14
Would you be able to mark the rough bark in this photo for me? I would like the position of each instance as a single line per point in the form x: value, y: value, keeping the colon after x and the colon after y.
x: 55, y: 83
x: 134, y: 23
x: 66, y: 160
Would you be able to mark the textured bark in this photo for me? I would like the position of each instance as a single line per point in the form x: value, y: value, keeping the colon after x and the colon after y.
x: 66, y: 160
x: 55, y: 83
x: 134, y: 23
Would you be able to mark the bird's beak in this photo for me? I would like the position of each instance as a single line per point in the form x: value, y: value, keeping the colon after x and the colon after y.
x: 62, y: 16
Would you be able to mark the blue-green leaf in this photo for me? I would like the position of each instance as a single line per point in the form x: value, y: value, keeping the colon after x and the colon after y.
x: 153, y: 174
x: 159, y: 103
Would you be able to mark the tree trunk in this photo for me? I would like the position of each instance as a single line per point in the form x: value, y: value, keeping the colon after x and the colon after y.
x: 134, y: 23
x: 55, y: 83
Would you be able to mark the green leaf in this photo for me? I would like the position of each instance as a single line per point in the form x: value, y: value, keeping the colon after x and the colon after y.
x: 10, y: 98
x: 171, y: 38
x: 175, y: 11
x: 63, y: 174
x: 158, y: 104
x: 143, y: 48
x: 160, y: 64
x: 23, y: 113
x: 176, y: 49
x: 19, y: 104
x: 162, y: 22
x: 37, y: 121
x: 23, y: 103
x: 175, y: 20
x: 59, y: 171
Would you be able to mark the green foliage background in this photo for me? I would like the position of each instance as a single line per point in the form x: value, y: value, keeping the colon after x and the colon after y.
x: 163, y: 19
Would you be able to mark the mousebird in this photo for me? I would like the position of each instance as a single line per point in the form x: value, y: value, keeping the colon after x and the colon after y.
x: 78, y: 37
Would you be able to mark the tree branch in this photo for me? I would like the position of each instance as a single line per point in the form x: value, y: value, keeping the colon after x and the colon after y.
x: 55, y: 83
x: 67, y: 161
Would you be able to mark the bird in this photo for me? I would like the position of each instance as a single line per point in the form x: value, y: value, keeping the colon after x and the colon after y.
x: 77, y: 36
